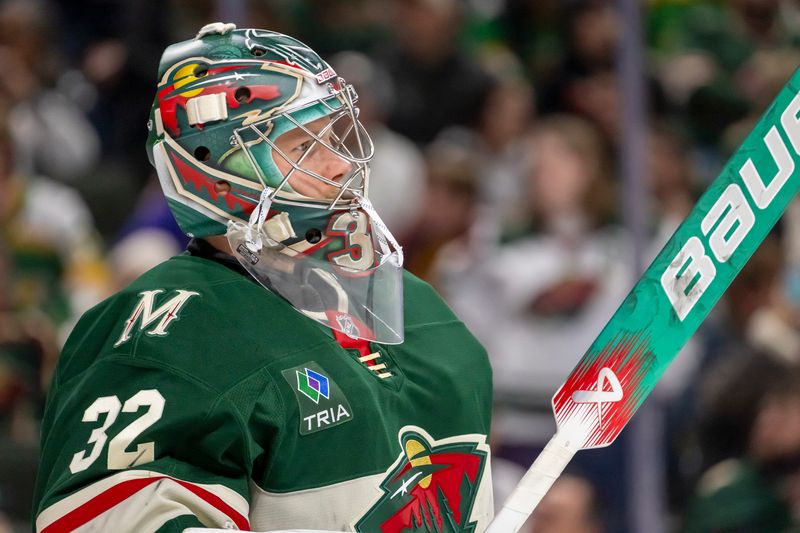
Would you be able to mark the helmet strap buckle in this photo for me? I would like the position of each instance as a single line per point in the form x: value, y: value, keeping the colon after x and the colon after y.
x: 253, y: 233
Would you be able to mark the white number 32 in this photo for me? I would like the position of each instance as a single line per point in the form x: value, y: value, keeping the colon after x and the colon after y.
x: 118, y: 457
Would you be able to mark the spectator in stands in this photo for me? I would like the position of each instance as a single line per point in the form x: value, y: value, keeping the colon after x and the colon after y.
x: 442, y: 230
x: 51, y: 133
x: 497, y: 144
x: 436, y: 85
x: 751, y: 413
x: 571, y: 506
x: 398, y: 168
x: 55, y: 254
x: 671, y: 183
x: 708, y: 70
x: 555, y: 285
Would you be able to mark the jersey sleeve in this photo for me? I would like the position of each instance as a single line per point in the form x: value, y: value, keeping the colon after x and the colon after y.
x: 129, y: 445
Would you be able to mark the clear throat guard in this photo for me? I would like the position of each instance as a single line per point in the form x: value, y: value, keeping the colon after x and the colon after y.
x: 349, y: 279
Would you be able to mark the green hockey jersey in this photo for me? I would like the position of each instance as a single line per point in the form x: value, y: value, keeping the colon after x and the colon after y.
x: 197, y: 398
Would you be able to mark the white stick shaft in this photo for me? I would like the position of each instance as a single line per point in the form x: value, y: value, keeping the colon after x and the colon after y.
x: 534, y: 485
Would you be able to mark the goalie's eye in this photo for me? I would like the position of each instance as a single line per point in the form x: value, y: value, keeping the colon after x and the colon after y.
x: 304, y: 147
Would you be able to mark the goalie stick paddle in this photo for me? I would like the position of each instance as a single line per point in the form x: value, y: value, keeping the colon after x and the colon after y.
x: 670, y: 300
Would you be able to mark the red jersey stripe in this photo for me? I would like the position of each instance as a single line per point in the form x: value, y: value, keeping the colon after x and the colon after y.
x: 124, y: 490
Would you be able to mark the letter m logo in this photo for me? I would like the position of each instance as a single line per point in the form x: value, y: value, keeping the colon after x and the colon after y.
x: 145, y: 315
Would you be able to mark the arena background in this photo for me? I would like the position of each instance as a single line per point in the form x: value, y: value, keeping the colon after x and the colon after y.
x: 533, y: 156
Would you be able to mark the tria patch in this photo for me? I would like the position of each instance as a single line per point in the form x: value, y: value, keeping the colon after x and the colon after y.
x: 433, y: 486
x: 321, y: 402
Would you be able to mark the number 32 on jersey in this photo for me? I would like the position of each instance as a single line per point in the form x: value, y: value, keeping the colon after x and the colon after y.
x: 108, y: 408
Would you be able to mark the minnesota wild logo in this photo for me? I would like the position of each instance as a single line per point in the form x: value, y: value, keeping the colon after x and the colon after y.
x: 432, y: 487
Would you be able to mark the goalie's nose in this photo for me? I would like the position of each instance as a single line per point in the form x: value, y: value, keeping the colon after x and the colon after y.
x: 333, y: 166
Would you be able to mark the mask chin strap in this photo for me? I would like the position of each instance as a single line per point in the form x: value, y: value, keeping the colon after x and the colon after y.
x: 279, y: 228
x: 384, y: 233
x: 276, y: 229
x: 252, y: 230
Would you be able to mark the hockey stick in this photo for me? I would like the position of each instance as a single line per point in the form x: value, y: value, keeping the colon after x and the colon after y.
x: 670, y: 300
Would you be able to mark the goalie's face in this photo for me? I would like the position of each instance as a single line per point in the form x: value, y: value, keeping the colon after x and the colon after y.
x: 313, y: 170
x: 338, y: 266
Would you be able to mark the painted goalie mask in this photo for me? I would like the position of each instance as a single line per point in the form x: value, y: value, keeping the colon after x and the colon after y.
x: 254, y: 136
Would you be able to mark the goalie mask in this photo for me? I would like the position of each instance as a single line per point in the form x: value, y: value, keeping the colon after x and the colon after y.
x: 254, y: 136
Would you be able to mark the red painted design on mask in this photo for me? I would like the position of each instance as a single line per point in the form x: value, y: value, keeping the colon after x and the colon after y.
x: 169, y: 105
x: 245, y: 200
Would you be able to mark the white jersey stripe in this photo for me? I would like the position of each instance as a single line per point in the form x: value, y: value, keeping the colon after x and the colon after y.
x: 117, y: 502
x: 344, y: 503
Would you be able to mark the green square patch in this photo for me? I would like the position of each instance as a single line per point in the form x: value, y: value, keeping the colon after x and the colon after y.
x: 321, y: 402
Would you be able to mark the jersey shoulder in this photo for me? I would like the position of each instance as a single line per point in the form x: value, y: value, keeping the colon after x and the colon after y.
x: 432, y: 327
x: 423, y: 305
x: 193, y: 316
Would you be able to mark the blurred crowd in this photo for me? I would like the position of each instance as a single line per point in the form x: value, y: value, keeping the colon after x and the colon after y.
x: 497, y: 126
